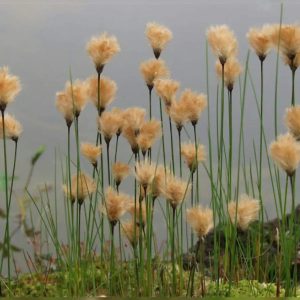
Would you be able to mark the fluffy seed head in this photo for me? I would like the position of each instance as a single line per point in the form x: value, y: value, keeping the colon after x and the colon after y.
x: 194, y: 104
x: 9, y: 87
x: 166, y: 89
x: 292, y: 121
x: 64, y: 105
x: 13, y: 128
x: 285, y: 151
x: 158, y: 181
x: 175, y: 190
x: 200, y: 219
x: 232, y: 69
x: 131, y: 231
x: 120, y: 172
x: 90, y: 152
x: 260, y: 40
x: 158, y: 36
x: 108, y: 89
x: 191, y: 157
x: 244, y: 212
x: 134, y: 210
x: 109, y: 124
x: 101, y: 49
x: 288, y: 37
x: 68, y: 195
x: 115, y: 204
x: 179, y: 113
x: 153, y: 69
x: 82, y: 186
x: 131, y: 137
x: 144, y: 173
x: 222, y: 42
x: 72, y: 100
x: 149, y: 132
x: 134, y: 117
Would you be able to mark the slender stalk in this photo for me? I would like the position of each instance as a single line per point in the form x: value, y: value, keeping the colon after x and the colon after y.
x: 70, y: 186
x: 134, y: 246
x: 99, y: 139
x: 141, y: 226
x: 150, y: 102
x: 108, y: 161
x: 10, y: 195
x: 192, y: 205
x: 293, y: 86
x: 230, y: 146
x: 276, y: 75
x: 221, y: 139
x: 6, y: 199
x: 179, y: 148
x: 260, y: 155
x: 79, y: 230
x: 196, y: 162
x: 162, y: 132
x: 192, y: 272
x: 172, y: 145
x: 173, y: 252
x: 112, y: 259
x: 116, y: 147
x: 293, y: 229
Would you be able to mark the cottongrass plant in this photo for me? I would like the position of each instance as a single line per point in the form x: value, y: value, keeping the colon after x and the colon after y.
x: 150, y: 131
x: 174, y: 191
x: 285, y: 151
x: 91, y: 153
x: 102, y: 49
x: 102, y: 91
x: 287, y: 36
x: 292, y: 121
x: 241, y: 214
x: 159, y: 36
x: 120, y: 171
x: 9, y: 88
x: 201, y: 221
x: 115, y: 207
x: 260, y: 40
x: 151, y: 70
x: 225, y: 47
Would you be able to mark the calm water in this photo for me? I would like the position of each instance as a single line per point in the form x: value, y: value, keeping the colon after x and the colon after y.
x: 42, y: 40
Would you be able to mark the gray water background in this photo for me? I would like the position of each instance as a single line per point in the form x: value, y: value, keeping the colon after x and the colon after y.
x: 42, y: 40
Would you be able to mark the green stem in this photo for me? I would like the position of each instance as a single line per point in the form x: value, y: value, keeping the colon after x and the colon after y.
x: 6, y: 199
x: 179, y: 148
x: 108, y: 162
x: 194, y: 268
x: 173, y: 252
x: 260, y: 156
x: 294, y: 230
x: 172, y: 145
x: 276, y: 74
x: 162, y: 133
x: 70, y: 188
x: 112, y: 259
x: 78, y: 231
x: 196, y: 163
x: 10, y: 195
x: 221, y: 140
x: 230, y: 146
x: 150, y: 103
x: 116, y: 148
x: 293, y: 86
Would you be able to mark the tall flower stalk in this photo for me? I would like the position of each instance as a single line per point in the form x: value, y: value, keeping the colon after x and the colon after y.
x: 9, y: 88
